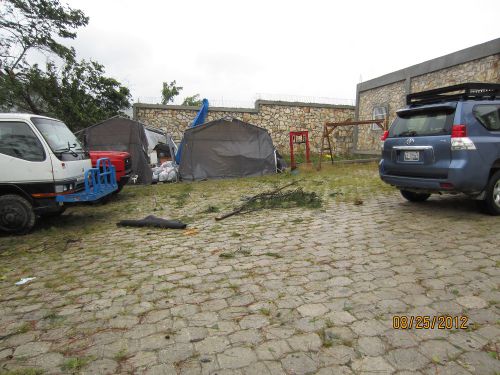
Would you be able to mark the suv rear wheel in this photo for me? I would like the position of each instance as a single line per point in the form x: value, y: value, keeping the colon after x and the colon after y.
x: 414, y: 197
x: 492, y: 202
x: 16, y: 214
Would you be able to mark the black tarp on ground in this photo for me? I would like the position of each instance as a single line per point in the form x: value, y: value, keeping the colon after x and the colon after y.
x: 226, y: 148
x: 122, y: 134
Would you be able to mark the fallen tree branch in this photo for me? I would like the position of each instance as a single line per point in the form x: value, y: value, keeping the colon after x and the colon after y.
x: 253, y: 199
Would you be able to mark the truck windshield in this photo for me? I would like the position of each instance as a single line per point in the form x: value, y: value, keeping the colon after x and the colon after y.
x: 60, y: 139
x: 421, y: 123
x: 57, y: 134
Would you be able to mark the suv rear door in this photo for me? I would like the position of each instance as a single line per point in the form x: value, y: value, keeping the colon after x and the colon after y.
x: 418, y: 144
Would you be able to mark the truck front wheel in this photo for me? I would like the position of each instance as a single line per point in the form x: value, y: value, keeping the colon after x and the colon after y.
x: 16, y: 214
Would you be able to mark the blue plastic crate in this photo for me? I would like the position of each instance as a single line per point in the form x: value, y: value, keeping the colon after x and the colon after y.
x: 99, y: 182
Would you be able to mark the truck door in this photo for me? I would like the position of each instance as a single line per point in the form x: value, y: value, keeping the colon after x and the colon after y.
x: 24, y: 160
x: 69, y: 160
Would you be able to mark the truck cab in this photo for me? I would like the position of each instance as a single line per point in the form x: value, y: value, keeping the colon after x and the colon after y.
x: 42, y: 164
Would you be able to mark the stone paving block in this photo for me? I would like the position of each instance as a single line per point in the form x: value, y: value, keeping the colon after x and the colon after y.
x: 335, y: 370
x: 372, y: 366
x: 264, y: 368
x: 143, y: 359
x: 479, y: 363
x: 490, y: 332
x: 101, y: 366
x: 190, y: 334
x: 401, y: 338
x: 140, y: 330
x: 407, y: 359
x: 299, y: 364
x: 154, y: 342
x: 439, y: 351
x: 204, y: 319
x: 253, y: 321
x: 214, y: 344
x: 336, y: 355
x: 472, y: 302
x: 31, y: 349
x: 236, y: 358
x: 467, y: 340
x: 450, y: 368
x: 184, y: 310
x: 312, y: 310
x: 305, y: 343
x: 249, y: 336
x: 175, y: 353
x: 370, y: 327
x: 49, y: 360
x: 163, y: 369
x: 273, y: 349
x: 19, y: 339
x: 371, y: 346
x: 339, y: 318
x: 125, y: 321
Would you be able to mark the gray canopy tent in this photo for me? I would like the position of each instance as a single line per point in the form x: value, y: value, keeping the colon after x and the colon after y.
x: 226, y: 148
x: 123, y: 134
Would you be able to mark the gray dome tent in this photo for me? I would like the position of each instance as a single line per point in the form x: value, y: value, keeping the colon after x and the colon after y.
x: 123, y: 134
x: 226, y: 148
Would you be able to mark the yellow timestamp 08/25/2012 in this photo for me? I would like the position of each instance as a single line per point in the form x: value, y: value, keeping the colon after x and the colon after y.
x: 430, y: 322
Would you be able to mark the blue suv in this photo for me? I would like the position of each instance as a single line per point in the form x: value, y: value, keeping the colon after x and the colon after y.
x: 446, y: 140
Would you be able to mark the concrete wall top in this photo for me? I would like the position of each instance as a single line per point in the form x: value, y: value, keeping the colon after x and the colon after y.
x: 258, y: 103
x: 465, y: 55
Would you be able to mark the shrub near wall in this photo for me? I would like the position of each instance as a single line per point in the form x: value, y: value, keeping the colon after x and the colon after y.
x: 279, y: 118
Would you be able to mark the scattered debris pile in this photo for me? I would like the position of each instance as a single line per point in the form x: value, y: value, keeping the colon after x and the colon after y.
x: 278, y: 198
x: 167, y: 172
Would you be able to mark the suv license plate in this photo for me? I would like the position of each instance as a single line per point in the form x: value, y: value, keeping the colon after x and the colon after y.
x: 412, y: 156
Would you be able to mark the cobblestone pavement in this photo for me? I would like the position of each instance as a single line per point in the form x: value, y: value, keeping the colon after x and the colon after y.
x: 276, y: 292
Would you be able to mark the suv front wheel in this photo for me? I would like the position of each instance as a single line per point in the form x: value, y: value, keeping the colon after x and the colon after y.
x: 492, y: 202
x: 414, y: 197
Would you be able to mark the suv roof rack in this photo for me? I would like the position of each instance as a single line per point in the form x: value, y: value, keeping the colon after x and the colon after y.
x: 463, y: 91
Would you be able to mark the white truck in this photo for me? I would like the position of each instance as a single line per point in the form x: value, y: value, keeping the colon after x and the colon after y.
x: 43, y: 167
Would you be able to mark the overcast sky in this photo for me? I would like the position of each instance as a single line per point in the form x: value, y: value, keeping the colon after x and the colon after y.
x: 233, y: 50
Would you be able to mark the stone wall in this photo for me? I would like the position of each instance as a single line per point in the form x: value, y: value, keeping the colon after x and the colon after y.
x: 391, y: 97
x: 482, y: 70
x: 279, y: 118
x: 479, y: 63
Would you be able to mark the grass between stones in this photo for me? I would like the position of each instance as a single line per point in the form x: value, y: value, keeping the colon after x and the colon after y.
x: 74, y: 365
x: 57, y: 236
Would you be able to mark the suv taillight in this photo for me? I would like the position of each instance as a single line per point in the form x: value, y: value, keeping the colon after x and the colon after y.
x: 384, y: 136
x: 458, y: 131
x: 459, y: 139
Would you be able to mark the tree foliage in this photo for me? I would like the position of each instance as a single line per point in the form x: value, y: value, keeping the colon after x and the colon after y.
x: 35, y: 24
x: 169, y: 92
x: 76, y: 92
x: 194, y: 100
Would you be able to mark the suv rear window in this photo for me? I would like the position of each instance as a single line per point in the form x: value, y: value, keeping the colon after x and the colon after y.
x: 414, y: 123
x: 488, y: 115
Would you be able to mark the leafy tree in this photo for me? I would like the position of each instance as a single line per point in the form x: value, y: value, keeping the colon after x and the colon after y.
x: 169, y: 92
x: 194, y: 100
x: 35, y: 24
x: 77, y: 92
